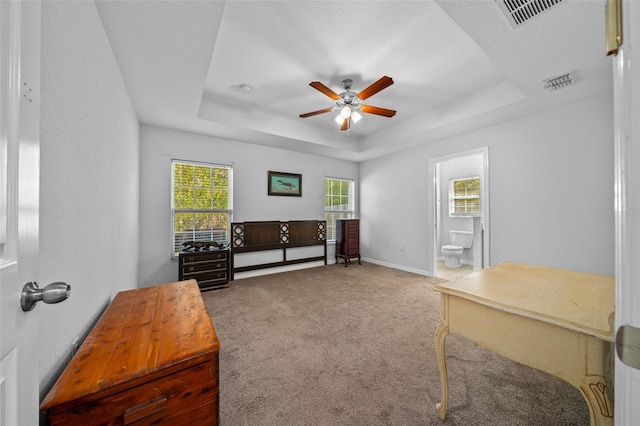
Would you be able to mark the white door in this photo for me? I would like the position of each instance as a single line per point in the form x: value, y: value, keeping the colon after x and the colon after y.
x: 627, y: 204
x: 19, y: 209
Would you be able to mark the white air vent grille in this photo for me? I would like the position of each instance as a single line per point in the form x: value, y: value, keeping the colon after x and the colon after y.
x: 518, y: 12
x: 560, y: 81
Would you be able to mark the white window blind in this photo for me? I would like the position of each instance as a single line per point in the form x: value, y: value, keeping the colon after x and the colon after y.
x: 201, y: 202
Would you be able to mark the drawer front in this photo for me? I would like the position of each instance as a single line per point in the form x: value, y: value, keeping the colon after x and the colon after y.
x: 195, y: 268
x: 208, y: 277
x: 207, y: 257
x: 212, y: 284
x: 177, y: 399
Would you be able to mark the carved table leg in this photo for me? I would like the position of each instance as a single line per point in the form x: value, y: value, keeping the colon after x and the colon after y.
x: 597, y: 364
x: 595, y: 392
x: 442, y: 330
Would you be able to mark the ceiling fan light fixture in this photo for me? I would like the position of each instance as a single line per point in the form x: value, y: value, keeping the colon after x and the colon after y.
x: 349, y: 104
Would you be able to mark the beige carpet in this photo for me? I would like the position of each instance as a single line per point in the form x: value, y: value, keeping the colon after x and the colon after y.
x: 354, y: 346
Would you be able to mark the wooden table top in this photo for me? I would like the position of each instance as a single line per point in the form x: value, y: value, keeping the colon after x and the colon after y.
x: 575, y: 300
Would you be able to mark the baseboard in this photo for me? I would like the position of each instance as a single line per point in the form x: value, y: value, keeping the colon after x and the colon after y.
x: 399, y: 267
x: 277, y: 269
x: 268, y: 271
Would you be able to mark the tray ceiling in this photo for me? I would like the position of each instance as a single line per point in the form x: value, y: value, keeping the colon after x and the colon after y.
x: 457, y: 65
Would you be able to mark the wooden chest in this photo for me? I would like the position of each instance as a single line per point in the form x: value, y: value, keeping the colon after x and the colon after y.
x: 152, y: 358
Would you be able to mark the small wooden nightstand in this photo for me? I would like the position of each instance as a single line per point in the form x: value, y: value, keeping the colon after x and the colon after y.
x: 209, y: 267
x: 348, y: 240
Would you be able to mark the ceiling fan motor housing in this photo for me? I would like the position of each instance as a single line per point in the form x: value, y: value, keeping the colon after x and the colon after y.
x: 348, y: 97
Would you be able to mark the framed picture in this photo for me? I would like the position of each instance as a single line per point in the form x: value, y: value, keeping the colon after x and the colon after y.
x: 285, y: 184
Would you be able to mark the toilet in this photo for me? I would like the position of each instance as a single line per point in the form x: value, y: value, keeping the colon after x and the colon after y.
x: 460, y: 240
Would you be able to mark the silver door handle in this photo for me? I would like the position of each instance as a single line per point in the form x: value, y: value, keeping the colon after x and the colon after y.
x: 53, y: 293
x: 628, y: 345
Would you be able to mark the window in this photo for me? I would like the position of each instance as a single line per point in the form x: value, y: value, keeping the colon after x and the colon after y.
x: 338, y: 203
x: 464, y: 196
x: 201, y: 203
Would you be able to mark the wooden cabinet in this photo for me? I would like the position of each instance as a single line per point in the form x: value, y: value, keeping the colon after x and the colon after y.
x: 347, y: 240
x: 210, y: 268
x: 152, y: 358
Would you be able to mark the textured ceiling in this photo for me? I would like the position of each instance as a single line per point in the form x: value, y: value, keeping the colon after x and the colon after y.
x: 457, y: 65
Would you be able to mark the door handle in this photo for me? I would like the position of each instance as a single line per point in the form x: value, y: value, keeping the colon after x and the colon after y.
x: 628, y: 345
x: 53, y: 293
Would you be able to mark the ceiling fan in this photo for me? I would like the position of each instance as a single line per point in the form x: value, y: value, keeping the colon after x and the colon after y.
x: 349, y: 103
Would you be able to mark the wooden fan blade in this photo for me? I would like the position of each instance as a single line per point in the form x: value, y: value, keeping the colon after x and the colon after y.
x: 377, y: 110
x: 345, y: 124
x: 382, y: 83
x: 324, y: 89
x: 320, y: 111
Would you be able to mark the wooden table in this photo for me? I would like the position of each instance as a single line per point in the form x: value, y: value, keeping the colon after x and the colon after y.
x: 555, y: 320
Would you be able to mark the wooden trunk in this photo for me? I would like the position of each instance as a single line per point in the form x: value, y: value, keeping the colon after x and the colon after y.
x: 152, y: 358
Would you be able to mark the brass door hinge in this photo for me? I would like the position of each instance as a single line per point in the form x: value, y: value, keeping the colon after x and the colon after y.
x: 613, y: 25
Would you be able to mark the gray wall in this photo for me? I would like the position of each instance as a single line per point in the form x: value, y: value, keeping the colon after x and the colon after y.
x: 551, y: 191
x: 250, y: 200
x: 89, y: 178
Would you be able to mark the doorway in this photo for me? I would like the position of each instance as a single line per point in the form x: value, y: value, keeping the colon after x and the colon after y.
x: 463, y: 164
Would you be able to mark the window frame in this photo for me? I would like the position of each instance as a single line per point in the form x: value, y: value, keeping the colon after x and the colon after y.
x: 331, y: 215
x: 453, y: 197
x: 229, y: 210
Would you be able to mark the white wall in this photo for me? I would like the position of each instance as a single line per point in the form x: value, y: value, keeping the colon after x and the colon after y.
x: 551, y: 191
x: 89, y: 179
x: 250, y: 203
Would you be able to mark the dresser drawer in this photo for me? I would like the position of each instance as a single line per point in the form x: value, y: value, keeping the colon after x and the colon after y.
x: 205, y: 277
x: 213, y: 283
x: 204, y: 257
x: 176, y: 399
x: 194, y: 268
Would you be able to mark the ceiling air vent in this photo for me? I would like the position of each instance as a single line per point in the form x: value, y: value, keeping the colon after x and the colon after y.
x: 559, y: 82
x: 518, y: 12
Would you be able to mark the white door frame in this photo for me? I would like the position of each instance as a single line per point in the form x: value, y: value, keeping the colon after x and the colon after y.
x: 626, y: 76
x: 434, y: 204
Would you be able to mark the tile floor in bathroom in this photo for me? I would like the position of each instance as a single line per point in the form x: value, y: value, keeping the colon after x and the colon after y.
x: 452, y: 273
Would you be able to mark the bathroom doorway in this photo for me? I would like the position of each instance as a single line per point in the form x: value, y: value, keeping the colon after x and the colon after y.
x: 442, y: 170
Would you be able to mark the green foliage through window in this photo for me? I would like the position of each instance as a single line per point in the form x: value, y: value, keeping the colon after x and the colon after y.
x: 464, y: 196
x: 201, y: 207
x: 338, y: 203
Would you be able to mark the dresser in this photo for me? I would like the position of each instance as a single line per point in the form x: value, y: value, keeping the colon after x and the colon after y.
x: 347, y: 240
x: 209, y: 267
x: 152, y: 358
